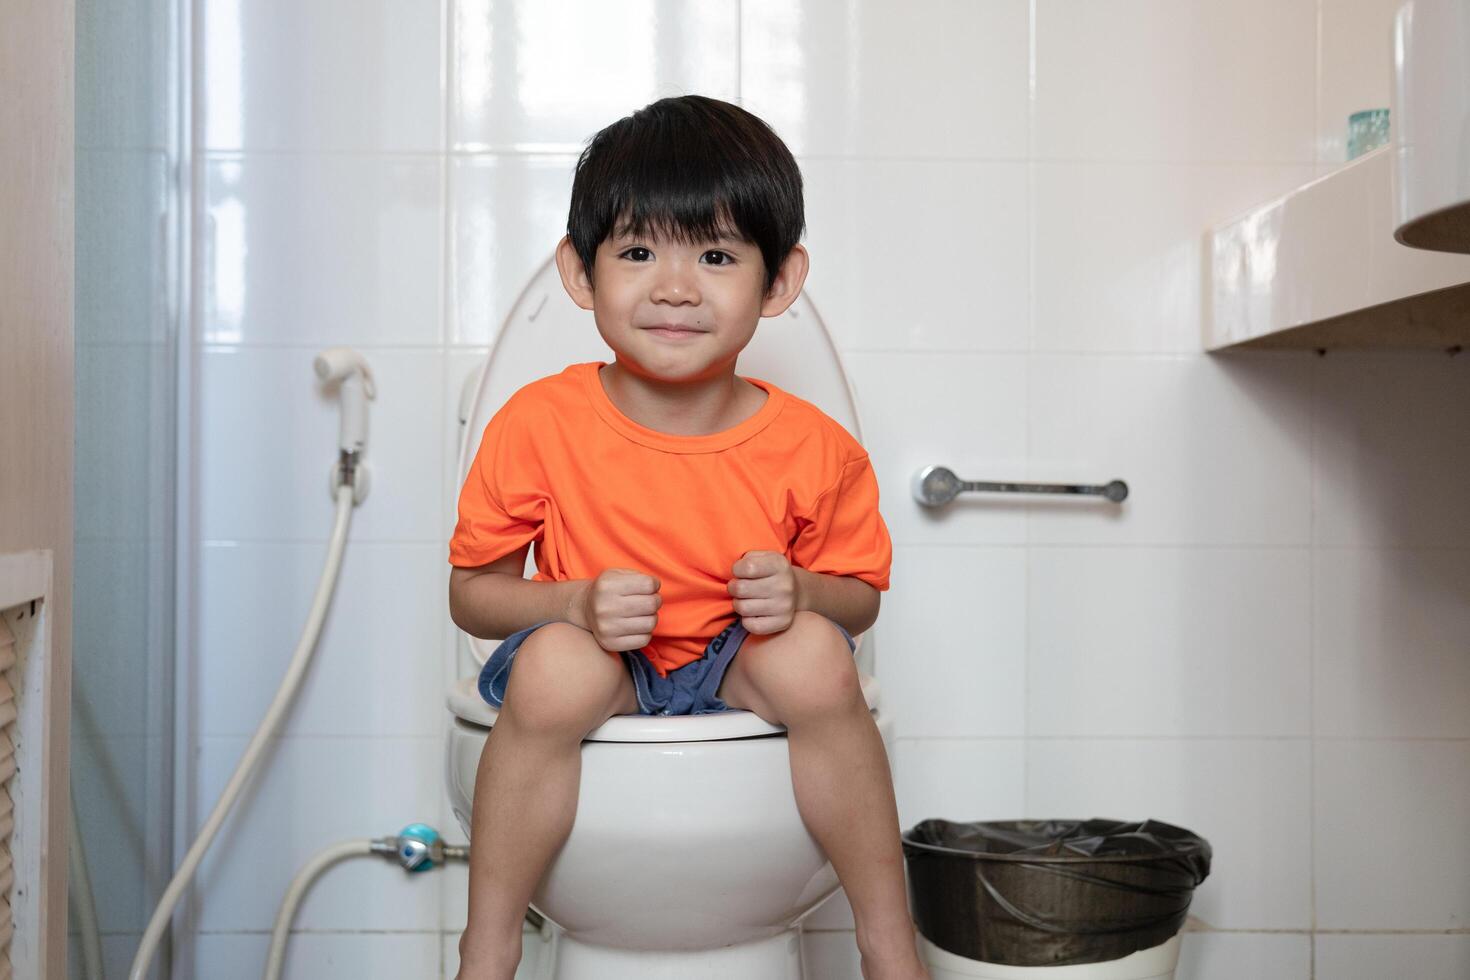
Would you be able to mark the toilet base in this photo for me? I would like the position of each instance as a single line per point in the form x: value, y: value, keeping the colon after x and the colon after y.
x: 776, y: 958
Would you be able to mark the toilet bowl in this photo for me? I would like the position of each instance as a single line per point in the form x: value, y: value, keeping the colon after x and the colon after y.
x: 687, y: 856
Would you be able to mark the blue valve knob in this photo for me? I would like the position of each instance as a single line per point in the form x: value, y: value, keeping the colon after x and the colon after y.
x: 420, y: 848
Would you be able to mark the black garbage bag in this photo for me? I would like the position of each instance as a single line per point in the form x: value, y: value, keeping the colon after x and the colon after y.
x: 1051, y: 892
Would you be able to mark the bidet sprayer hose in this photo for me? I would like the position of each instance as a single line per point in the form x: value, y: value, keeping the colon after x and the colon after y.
x: 294, y: 673
x: 294, y: 894
x: 416, y: 848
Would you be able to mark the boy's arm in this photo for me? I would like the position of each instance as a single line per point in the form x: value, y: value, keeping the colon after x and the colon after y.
x: 495, y: 600
x: 850, y: 601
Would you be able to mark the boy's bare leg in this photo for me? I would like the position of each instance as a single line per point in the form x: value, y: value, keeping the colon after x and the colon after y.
x: 804, y: 678
x: 562, y: 686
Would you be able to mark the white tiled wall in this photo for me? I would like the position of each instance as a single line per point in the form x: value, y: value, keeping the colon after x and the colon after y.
x: 1006, y: 202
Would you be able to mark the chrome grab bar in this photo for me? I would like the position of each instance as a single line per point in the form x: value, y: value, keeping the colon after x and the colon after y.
x: 937, y: 485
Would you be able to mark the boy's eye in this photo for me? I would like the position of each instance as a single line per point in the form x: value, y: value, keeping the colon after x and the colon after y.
x: 725, y: 257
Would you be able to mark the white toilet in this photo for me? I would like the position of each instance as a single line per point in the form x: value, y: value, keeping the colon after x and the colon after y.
x: 688, y: 857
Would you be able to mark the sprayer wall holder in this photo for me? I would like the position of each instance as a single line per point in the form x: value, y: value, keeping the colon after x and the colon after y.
x: 338, y: 477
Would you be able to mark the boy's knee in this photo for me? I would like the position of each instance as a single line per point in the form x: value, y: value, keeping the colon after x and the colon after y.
x: 823, y: 647
x: 811, y: 671
x: 561, y: 680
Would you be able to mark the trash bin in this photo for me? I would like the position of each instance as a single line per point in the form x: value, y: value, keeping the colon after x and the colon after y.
x: 1053, y: 899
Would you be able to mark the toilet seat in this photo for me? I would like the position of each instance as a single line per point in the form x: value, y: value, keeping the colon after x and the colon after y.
x: 465, y: 701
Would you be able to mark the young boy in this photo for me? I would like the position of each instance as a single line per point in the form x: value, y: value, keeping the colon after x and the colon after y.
x: 705, y: 542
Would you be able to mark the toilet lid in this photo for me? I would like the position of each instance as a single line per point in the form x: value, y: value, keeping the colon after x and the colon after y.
x: 465, y: 701
x: 545, y: 331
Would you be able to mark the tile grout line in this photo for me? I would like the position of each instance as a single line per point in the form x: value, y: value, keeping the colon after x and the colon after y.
x: 1313, y: 370
x: 446, y: 96
x: 1134, y: 737
x: 1029, y: 515
x: 739, y: 52
x: 238, y: 541
x: 235, y: 154
x: 321, y: 931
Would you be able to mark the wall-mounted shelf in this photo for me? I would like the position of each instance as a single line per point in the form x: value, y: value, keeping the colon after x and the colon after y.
x: 1319, y: 268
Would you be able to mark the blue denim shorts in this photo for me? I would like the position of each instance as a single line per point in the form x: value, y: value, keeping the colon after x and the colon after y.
x: 689, y: 690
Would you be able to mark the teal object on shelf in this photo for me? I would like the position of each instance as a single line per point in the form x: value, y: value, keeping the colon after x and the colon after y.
x: 1367, y: 130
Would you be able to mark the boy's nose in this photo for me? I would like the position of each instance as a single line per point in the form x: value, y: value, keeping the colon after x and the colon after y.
x: 677, y: 285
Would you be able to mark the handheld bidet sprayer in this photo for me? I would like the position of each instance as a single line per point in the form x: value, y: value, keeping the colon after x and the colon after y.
x: 347, y: 366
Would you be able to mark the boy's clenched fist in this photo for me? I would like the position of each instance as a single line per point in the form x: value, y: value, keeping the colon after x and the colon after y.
x: 620, y: 607
x: 766, y: 591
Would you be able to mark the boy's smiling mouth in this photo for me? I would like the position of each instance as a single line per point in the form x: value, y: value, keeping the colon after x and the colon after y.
x: 673, y: 331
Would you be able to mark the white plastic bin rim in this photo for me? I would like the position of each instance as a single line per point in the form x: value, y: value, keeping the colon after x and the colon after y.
x: 1156, y: 963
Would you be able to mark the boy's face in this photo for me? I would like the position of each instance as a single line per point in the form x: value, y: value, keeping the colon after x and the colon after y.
x: 714, y: 288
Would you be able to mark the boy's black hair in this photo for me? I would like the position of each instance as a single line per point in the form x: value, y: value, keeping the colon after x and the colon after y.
x: 694, y: 168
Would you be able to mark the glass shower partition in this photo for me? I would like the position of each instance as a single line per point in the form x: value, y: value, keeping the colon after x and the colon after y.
x: 127, y: 332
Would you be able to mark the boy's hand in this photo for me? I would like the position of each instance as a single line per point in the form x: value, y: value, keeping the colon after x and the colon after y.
x: 766, y: 591
x: 620, y: 607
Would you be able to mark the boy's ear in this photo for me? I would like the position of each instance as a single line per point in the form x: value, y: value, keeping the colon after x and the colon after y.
x: 573, y: 275
x: 787, y: 285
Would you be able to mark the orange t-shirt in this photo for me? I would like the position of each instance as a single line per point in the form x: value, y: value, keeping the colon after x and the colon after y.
x: 560, y: 465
